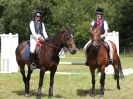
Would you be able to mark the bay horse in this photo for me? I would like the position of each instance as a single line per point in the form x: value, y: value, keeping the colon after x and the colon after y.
x: 97, y: 58
x: 48, y: 58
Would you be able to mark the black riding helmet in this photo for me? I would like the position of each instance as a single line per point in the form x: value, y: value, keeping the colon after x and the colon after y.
x: 99, y: 11
x: 37, y: 13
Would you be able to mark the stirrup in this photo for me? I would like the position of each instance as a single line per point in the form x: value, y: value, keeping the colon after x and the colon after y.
x: 33, y: 66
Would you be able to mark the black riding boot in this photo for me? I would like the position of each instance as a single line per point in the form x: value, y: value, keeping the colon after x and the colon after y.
x: 32, y: 64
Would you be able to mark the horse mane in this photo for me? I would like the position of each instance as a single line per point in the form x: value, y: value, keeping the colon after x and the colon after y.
x: 55, y: 36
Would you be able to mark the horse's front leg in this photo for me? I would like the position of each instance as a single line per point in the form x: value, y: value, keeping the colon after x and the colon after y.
x: 92, y: 70
x: 42, y: 72
x: 52, y: 73
x: 102, y: 81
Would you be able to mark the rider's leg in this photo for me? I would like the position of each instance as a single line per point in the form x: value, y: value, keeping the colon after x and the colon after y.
x: 85, y: 47
x: 110, y: 51
x: 32, y: 50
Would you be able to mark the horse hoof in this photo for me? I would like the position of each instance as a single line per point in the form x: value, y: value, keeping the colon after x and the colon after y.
x: 118, y: 88
x: 51, y: 95
x: 38, y: 97
x: 93, y: 95
x: 27, y: 95
x: 101, y: 94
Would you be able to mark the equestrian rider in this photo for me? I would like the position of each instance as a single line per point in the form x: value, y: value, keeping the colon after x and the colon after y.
x: 38, y: 34
x: 102, y: 24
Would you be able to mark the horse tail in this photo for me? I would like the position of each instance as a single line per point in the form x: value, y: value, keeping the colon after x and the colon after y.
x: 18, y: 57
x: 120, y: 69
x: 17, y: 50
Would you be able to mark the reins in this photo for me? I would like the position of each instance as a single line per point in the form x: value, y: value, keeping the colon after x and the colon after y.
x: 50, y: 45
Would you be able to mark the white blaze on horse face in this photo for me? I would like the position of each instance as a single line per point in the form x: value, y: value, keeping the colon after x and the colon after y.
x: 71, y: 35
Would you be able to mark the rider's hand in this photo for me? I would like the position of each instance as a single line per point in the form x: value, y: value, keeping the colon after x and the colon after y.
x: 103, y: 35
x: 41, y: 39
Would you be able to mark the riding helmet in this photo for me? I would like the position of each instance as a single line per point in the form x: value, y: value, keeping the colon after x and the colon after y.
x: 99, y: 11
x: 38, y: 13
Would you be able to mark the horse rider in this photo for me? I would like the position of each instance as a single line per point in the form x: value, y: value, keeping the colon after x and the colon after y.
x: 38, y: 34
x: 102, y: 24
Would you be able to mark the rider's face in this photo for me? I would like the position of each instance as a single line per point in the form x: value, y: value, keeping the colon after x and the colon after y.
x: 37, y: 18
x: 99, y: 16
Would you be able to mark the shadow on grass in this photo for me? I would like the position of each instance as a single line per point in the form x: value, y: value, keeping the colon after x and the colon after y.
x: 34, y: 93
x: 84, y: 92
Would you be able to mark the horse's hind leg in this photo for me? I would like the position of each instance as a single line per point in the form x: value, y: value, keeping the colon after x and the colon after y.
x: 102, y: 81
x: 52, y: 73
x: 116, y: 75
x: 22, y: 70
x: 28, y: 79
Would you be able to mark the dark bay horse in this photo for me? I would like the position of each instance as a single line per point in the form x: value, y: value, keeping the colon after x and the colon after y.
x: 48, y: 58
x: 97, y: 58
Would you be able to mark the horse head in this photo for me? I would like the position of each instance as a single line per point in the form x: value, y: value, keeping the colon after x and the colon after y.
x: 95, y: 36
x: 67, y: 40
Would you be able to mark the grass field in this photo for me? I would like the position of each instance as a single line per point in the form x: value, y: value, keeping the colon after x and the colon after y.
x: 74, y: 86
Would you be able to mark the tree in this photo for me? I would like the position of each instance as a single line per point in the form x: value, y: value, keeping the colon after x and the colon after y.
x: 125, y: 22
x: 15, y: 16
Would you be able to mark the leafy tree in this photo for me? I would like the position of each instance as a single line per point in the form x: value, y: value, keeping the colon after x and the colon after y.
x: 125, y: 22
x: 15, y: 16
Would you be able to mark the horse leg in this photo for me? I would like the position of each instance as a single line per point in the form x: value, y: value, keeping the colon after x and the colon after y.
x: 116, y: 75
x: 28, y: 79
x: 42, y: 72
x: 22, y: 70
x: 92, y: 70
x: 52, y: 73
x: 102, y: 81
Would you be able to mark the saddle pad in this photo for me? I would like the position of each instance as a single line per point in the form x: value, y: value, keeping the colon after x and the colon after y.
x: 26, y: 53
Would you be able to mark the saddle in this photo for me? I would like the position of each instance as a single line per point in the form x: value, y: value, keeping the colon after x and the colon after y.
x: 106, y: 46
x: 26, y: 52
x: 103, y: 42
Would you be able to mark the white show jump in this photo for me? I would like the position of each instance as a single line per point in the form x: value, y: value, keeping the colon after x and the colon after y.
x: 9, y: 43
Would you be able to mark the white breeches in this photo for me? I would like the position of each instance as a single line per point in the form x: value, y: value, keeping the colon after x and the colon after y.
x: 110, y: 47
x: 86, y: 45
x: 33, y: 43
x: 84, y: 49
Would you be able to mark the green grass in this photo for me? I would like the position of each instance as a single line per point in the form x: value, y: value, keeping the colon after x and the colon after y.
x: 68, y: 86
